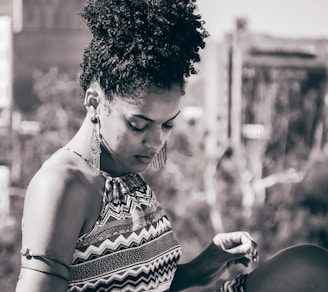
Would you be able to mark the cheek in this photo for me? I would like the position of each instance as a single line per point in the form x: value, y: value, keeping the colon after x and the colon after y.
x: 124, y: 140
x: 168, y: 134
x: 117, y: 139
x: 130, y: 140
x: 119, y: 136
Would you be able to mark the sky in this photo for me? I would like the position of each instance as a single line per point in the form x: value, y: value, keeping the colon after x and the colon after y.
x: 286, y: 18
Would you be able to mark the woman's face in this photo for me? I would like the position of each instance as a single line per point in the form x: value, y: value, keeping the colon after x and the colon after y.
x: 136, y: 131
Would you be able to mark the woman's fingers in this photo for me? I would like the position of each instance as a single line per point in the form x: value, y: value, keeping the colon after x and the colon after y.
x: 247, y: 246
x: 238, y: 244
x: 252, y: 251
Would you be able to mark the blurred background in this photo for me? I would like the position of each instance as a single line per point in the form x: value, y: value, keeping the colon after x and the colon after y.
x: 249, y: 151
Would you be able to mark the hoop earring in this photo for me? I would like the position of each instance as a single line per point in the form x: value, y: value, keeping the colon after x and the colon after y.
x: 160, y: 158
x: 95, y: 146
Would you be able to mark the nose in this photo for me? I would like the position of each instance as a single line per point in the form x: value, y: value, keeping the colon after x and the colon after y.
x: 155, y: 139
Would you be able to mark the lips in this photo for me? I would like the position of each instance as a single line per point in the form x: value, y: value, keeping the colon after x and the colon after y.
x: 144, y: 159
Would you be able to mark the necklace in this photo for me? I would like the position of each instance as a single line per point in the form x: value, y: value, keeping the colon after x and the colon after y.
x: 106, y: 148
x: 77, y: 153
x: 103, y: 173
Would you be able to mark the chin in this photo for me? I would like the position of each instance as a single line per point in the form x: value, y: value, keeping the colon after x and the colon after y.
x: 140, y: 168
x: 143, y: 168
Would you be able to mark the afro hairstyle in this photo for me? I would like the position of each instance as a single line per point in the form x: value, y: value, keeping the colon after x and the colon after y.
x: 141, y: 44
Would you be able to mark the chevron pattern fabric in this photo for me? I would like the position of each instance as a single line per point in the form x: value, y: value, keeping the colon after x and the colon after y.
x: 131, y: 247
x: 235, y: 285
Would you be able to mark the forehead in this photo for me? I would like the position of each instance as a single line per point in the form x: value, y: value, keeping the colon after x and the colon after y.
x: 157, y: 106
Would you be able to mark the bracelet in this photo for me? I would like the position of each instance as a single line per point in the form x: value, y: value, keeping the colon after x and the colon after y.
x: 28, y: 253
x: 47, y: 273
x: 44, y: 264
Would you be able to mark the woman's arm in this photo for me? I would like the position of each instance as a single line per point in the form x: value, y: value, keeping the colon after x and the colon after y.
x: 52, y: 220
x: 226, y: 248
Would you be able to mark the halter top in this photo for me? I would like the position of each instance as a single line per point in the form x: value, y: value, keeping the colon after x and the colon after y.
x: 131, y: 247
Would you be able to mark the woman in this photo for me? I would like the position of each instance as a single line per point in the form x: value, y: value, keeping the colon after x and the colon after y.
x: 91, y: 223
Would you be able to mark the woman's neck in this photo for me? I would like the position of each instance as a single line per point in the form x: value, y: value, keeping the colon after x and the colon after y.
x: 110, y: 163
x: 81, y: 144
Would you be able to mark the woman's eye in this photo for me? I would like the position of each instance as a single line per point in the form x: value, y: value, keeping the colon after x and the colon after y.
x: 137, y: 128
x: 168, y: 126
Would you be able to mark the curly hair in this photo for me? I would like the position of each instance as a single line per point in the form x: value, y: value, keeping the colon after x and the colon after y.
x: 140, y: 44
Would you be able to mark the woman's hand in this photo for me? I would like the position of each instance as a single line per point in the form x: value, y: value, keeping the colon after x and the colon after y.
x: 225, y: 250
x: 239, y: 246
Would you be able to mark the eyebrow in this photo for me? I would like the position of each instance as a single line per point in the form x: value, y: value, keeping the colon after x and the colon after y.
x: 151, y: 120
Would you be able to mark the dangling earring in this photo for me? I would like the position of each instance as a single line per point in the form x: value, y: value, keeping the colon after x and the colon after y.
x: 95, y: 146
x: 160, y: 158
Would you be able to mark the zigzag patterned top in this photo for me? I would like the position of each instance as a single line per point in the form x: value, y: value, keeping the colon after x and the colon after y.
x: 131, y: 247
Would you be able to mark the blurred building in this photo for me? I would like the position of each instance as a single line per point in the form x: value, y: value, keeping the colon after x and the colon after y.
x: 45, y: 34
x: 266, y: 98
x: 53, y: 35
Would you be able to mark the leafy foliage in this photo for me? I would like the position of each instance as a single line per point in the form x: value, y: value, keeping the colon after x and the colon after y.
x: 60, y: 114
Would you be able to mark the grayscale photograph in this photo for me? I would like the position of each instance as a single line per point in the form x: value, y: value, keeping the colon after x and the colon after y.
x: 163, y: 145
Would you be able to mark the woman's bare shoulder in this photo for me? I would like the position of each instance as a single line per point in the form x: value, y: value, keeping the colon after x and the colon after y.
x: 54, y: 179
x: 55, y: 208
x: 60, y: 178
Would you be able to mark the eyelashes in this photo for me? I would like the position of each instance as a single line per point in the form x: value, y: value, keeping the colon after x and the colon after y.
x: 168, y: 126
x: 140, y: 130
